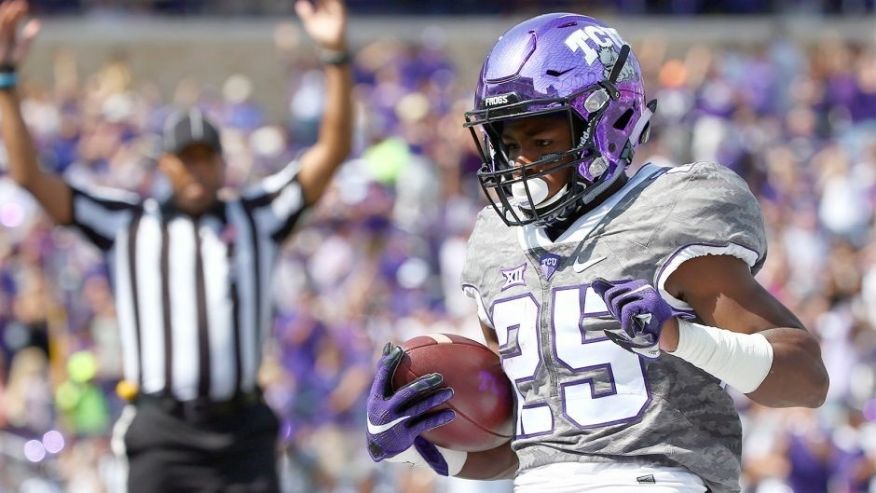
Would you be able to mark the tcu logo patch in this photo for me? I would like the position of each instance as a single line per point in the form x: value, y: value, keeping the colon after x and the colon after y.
x: 549, y: 264
x: 514, y: 276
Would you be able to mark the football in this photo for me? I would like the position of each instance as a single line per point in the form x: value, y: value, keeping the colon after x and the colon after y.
x: 483, y: 398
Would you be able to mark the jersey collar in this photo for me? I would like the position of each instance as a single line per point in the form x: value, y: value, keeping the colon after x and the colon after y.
x: 531, y: 236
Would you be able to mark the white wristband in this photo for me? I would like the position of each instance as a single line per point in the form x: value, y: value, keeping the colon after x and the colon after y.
x: 455, y: 459
x: 741, y: 360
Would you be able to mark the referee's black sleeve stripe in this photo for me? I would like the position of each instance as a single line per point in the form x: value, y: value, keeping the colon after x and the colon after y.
x: 100, y: 240
x: 133, y: 229
x: 267, y: 197
x: 93, y: 236
x: 99, y: 224
x: 283, y: 232
x: 264, y: 199
x: 203, y: 326
x: 104, y: 203
x: 165, y: 305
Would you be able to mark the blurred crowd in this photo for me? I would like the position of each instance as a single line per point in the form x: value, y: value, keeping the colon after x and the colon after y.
x: 461, y: 7
x: 379, y: 259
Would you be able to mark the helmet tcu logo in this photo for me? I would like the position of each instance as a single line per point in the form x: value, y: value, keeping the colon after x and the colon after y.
x: 602, y: 37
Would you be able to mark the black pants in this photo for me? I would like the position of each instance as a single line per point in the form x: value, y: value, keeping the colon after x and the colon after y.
x: 232, y: 453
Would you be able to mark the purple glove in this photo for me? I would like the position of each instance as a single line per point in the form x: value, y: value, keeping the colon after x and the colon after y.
x: 641, y: 312
x: 396, y: 420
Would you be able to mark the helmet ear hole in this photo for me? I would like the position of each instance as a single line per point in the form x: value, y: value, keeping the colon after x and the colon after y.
x: 623, y: 120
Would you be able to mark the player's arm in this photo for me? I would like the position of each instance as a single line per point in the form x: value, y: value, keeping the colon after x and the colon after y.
x: 48, y: 189
x: 725, y: 295
x: 326, y: 23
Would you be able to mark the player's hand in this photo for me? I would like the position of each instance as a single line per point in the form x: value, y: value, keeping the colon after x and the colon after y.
x: 325, y: 22
x: 641, y: 312
x: 14, y: 46
x: 396, y: 420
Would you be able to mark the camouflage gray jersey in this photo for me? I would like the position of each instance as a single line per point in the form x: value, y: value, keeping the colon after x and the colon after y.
x: 580, y: 396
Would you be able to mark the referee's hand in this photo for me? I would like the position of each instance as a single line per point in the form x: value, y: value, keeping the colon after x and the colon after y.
x: 14, y: 47
x: 325, y: 22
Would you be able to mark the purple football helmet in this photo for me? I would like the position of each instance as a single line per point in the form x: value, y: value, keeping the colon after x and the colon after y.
x: 558, y: 63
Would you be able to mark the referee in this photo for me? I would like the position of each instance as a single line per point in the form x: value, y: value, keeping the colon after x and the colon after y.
x: 191, y: 275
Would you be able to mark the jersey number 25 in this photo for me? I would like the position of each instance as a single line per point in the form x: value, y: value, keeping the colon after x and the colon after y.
x: 607, y: 383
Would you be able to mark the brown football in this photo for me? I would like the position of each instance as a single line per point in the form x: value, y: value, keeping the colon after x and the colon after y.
x: 482, y: 395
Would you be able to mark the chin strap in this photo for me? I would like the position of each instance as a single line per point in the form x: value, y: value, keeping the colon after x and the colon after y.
x: 619, y: 63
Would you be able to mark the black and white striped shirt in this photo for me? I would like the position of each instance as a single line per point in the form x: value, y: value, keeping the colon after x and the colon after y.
x: 192, y: 293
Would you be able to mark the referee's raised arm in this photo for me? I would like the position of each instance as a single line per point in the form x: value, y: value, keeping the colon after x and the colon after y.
x: 48, y: 189
x: 325, y: 21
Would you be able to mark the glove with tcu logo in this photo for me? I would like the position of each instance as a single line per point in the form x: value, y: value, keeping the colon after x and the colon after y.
x: 641, y: 312
x: 396, y: 420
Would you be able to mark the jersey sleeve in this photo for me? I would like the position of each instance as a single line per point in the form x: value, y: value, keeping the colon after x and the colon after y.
x: 712, y: 212
x: 276, y: 203
x: 100, y: 213
x: 476, y: 258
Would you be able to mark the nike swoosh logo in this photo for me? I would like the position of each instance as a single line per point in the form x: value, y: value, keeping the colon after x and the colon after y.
x: 580, y: 266
x: 378, y: 429
x: 557, y: 73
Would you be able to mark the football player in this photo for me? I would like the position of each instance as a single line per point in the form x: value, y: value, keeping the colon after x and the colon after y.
x: 620, y: 306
